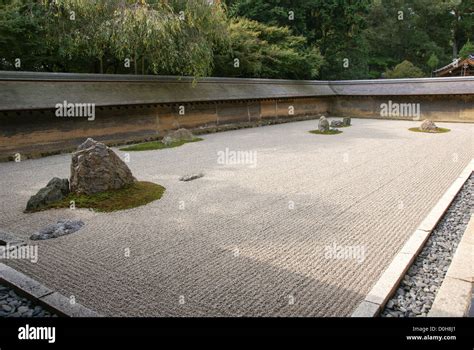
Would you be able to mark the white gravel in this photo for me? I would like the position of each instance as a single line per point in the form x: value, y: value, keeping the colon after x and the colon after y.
x: 246, y: 239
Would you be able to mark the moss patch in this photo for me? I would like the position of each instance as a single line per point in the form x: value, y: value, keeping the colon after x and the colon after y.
x: 153, y: 145
x: 438, y: 130
x: 140, y: 193
x: 329, y: 132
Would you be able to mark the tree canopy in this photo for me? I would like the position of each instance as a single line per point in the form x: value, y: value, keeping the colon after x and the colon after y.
x: 292, y: 39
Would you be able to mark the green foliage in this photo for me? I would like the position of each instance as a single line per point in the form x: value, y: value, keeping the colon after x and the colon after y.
x: 135, y: 195
x: 335, y: 27
x: 329, y: 132
x: 293, y: 39
x: 433, y: 61
x: 154, y: 145
x: 161, y: 37
x: 406, y: 69
x: 437, y: 131
x: 466, y: 50
x: 414, y: 30
x: 264, y: 51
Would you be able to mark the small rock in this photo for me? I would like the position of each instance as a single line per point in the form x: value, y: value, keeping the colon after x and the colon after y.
x: 428, y: 125
x: 23, y: 309
x: 191, y: 177
x: 7, y: 308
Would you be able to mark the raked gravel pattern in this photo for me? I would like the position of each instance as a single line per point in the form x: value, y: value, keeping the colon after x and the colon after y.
x: 418, y: 289
x: 14, y: 305
x: 246, y: 239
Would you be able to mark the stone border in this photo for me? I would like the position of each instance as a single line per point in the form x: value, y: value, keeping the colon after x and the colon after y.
x: 384, y: 288
x: 454, y: 296
x: 51, y: 300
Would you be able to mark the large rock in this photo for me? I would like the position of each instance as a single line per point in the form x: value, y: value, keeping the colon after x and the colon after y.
x: 178, y: 135
x: 55, y: 190
x: 346, y: 121
x: 323, y: 124
x: 96, y: 168
x: 428, y: 125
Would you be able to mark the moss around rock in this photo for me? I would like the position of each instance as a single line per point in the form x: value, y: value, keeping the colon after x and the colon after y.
x: 137, y: 194
x: 328, y: 132
x: 437, y: 131
x: 153, y: 145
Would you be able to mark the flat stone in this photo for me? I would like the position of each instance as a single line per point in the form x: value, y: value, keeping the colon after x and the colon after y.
x: 415, y: 242
x: 61, y: 228
x: 23, y: 282
x: 191, y: 177
x: 366, y: 309
x: 63, y: 305
x: 390, y: 279
x: 453, y: 299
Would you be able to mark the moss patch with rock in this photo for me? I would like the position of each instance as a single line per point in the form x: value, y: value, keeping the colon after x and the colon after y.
x: 437, y: 131
x: 329, y: 132
x: 153, y: 145
x: 134, y: 195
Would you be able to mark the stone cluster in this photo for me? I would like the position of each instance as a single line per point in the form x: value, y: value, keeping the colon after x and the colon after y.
x: 94, y: 168
x: 13, y: 305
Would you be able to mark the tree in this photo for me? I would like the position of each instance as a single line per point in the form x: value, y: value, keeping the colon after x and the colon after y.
x: 433, y: 62
x: 466, y: 50
x: 406, y: 69
x: 156, y: 36
x: 334, y: 26
x: 264, y: 51
x: 22, y: 37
